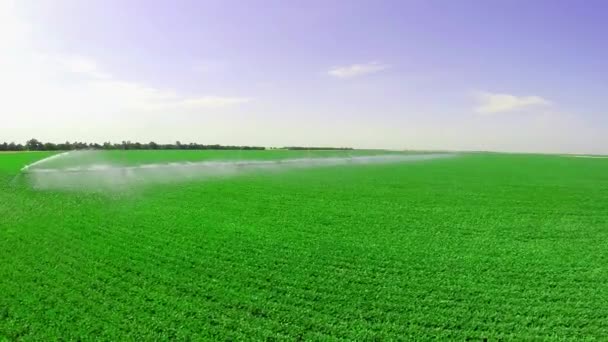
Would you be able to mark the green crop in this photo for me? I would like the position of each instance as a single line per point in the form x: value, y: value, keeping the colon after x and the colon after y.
x: 477, y: 246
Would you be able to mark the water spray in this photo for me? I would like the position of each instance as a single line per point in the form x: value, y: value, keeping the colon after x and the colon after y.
x: 109, y: 176
x: 43, y: 161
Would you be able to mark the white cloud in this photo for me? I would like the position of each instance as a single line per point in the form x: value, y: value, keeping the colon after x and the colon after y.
x: 83, y: 66
x: 49, y: 86
x: 492, y: 103
x: 214, y: 101
x: 42, y: 86
x: 355, y: 70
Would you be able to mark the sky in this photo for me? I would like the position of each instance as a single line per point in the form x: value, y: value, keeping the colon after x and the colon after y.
x: 517, y: 75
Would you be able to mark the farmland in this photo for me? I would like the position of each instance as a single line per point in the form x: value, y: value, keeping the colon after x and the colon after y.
x: 470, y: 247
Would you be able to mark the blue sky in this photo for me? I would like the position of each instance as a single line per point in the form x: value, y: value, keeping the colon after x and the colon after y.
x: 462, y: 75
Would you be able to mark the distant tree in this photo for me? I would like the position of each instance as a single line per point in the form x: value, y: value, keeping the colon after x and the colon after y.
x: 49, y: 146
x: 34, y: 145
x: 78, y: 145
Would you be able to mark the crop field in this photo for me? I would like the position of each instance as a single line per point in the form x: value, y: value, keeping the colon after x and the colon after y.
x: 470, y: 246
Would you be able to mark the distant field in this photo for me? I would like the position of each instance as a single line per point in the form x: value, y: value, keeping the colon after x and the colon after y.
x: 476, y: 246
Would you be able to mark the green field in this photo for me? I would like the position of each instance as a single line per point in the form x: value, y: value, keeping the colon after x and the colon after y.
x: 496, y: 246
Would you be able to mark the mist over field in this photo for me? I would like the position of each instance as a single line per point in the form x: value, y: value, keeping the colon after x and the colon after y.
x: 90, y: 170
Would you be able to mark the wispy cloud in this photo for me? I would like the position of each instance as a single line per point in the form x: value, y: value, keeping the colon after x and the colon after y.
x: 37, y: 83
x: 78, y: 65
x: 129, y: 96
x: 53, y: 85
x: 214, y: 101
x: 492, y: 103
x: 355, y: 70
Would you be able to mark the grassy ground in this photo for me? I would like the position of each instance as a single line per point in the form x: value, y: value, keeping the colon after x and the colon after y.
x: 478, y: 246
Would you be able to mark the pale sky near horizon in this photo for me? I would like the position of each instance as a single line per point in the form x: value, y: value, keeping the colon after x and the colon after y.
x: 518, y: 75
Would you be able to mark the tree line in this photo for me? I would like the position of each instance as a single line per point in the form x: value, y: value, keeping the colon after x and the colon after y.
x: 36, y: 145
